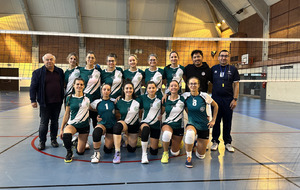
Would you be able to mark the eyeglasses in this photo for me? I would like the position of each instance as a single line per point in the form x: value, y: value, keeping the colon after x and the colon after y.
x: 193, y: 84
x: 152, y: 60
x: 78, y: 84
x: 224, y: 56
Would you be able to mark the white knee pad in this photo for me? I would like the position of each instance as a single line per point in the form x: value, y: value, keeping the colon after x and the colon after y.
x: 190, y: 137
x: 166, y: 137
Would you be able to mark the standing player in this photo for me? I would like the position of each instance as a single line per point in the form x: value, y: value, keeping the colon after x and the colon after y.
x: 173, y: 125
x: 128, y: 109
x: 76, y: 119
x: 174, y: 71
x: 134, y: 74
x: 113, y: 76
x: 198, y: 106
x: 107, y: 119
x: 150, y: 124
x: 71, y: 73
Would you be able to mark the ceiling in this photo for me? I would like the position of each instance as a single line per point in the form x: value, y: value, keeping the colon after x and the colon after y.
x: 177, y: 18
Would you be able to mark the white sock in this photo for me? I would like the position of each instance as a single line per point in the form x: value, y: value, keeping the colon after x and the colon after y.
x: 189, y: 154
x: 144, y: 147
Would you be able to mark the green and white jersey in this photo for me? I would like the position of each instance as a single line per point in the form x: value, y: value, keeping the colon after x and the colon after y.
x: 174, y: 112
x: 152, y: 109
x: 173, y: 74
x: 106, y: 110
x: 199, y: 109
x: 115, y: 79
x: 155, y: 76
x: 79, y: 111
x: 136, y: 78
x: 129, y: 111
x: 92, y: 82
x: 70, y: 76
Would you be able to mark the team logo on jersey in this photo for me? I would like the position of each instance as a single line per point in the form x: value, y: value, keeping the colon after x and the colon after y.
x: 97, y: 76
x: 202, y: 109
x: 80, y: 104
x: 77, y: 75
x: 112, y: 77
x: 136, y: 108
x: 216, y: 71
x: 140, y: 78
x: 90, y: 76
x: 203, y: 73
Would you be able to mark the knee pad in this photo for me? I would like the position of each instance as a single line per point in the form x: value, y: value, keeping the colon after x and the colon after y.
x: 97, y: 133
x: 166, y: 137
x: 80, y: 153
x: 175, y: 153
x: 145, y: 134
x: 190, y: 137
x: 107, y: 150
x: 130, y: 148
x: 153, y: 151
x: 67, y: 138
x: 117, y: 129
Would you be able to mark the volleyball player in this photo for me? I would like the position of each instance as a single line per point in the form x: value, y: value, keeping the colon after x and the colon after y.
x: 76, y: 119
x: 198, y: 107
x: 172, y: 128
x: 128, y: 109
x: 71, y: 73
x: 106, y: 120
x: 150, y: 124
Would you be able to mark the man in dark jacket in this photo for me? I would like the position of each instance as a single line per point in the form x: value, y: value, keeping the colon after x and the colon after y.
x: 198, y: 69
x: 47, y: 88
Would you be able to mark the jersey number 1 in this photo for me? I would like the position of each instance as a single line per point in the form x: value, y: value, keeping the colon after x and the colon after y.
x: 106, y: 105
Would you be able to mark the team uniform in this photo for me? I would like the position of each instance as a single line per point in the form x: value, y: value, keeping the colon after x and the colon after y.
x: 156, y: 77
x: 174, y: 114
x: 152, y: 109
x: 222, y: 78
x: 173, y: 74
x: 92, y: 82
x: 199, y: 110
x: 115, y: 79
x: 70, y: 76
x: 136, y: 78
x: 106, y: 110
x: 79, y: 113
x: 129, y: 111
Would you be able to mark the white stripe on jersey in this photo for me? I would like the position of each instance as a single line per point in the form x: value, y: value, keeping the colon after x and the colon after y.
x: 136, y: 82
x: 157, y: 79
x: 133, y: 113
x: 153, y: 113
x: 93, y: 83
x: 117, y: 82
x: 95, y: 103
x: 75, y: 74
x: 83, y: 112
x: 176, y: 113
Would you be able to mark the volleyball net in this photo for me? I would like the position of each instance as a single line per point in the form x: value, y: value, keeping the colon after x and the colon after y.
x: 258, y: 59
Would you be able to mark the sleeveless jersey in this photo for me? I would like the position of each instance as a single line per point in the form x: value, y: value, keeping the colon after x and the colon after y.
x: 129, y: 111
x: 106, y: 110
x: 136, y: 78
x: 70, y: 76
x: 115, y: 79
x: 173, y: 74
x: 174, y: 112
x: 152, y: 109
x: 199, y: 109
x: 92, y: 82
x: 79, y: 111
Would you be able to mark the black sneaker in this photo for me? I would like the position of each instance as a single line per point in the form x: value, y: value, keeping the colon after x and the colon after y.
x: 54, y: 143
x: 41, y: 146
x: 69, y: 156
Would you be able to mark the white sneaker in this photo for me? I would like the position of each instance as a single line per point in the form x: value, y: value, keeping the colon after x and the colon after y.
x: 214, y: 146
x: 145, y: 159
x: 96, y: 157
x: 87, y: 145
x: 199, y: 155
x: 229, y: 147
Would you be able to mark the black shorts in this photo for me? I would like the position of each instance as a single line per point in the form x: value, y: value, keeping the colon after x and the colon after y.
x: 154, y: 133
x: 133, y: 128
x: 178, y: 132
x: 109, y: 130
x: 83, y: 130
x: 203, y: 134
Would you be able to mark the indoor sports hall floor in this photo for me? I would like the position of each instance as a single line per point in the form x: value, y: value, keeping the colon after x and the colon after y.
x: 266, y: 138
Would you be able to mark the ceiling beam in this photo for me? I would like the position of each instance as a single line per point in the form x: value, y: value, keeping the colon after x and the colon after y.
x: 227, y: 16
x: 29, y: 21
x: 127, y: 17
x: 174, y: 17
x: 79, y: 22
x: 214, y: 17
x: 261, y: 8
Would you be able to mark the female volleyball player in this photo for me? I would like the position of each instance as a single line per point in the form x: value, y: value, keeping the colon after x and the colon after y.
x: 106, y: 120
x: 150, y: 124
x: 197, y: 106
x: 134, y: 74
x: 71, y: 73
x: 76, y: 119
x: 173, y: 125
x: 128, y: 109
